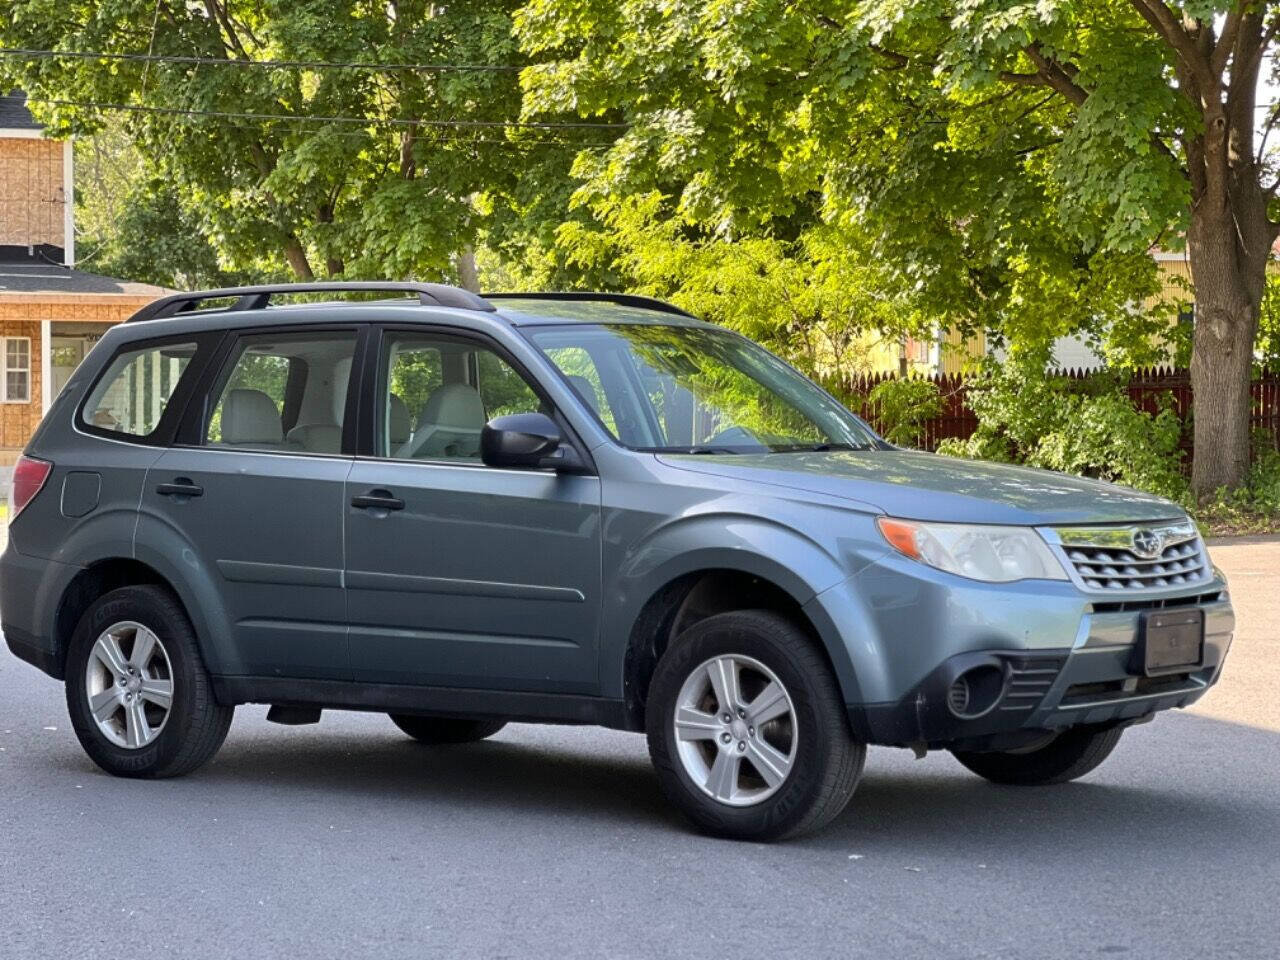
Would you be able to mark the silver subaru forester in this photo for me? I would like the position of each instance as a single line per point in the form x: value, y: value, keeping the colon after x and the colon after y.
x: 573, y: 508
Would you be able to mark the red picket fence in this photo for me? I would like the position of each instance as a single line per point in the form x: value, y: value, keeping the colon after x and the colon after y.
x: 1145, y: 390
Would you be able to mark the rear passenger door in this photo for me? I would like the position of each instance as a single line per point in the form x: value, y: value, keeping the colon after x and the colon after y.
x: 255, y: 488
x: 459, y: 574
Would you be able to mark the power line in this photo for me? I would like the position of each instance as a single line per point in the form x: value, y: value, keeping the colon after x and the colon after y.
x: 362, y: 121
x: 266, y: 64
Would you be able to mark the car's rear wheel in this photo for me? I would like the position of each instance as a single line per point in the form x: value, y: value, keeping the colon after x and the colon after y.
x: 748, y: 731
x: 1068, y: 756
x: 440, y: 730
x: 138, y: 693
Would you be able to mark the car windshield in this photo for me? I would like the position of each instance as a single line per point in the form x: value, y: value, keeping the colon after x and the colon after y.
x: 685, y: 389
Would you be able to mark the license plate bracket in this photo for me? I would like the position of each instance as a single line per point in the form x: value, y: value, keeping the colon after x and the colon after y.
x: 1169, y: 641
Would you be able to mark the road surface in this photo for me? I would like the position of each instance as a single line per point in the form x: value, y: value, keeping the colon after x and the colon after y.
x: 348, y: 840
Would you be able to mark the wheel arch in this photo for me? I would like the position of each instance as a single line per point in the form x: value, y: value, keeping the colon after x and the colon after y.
x: 96, y: 580
x: 693, y: 596
x: 110, y: 572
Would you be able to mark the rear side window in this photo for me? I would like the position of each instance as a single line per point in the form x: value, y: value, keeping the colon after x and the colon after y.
x: 285, y: 393
x: 131, y: 397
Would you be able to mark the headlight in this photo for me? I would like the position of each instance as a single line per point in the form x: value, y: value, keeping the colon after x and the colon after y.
x: 993, y: 554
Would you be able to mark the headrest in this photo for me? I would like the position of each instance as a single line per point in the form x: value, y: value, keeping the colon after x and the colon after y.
x: 585, y: 389
x: 250, y: 416
x: 453, y: 405
x: 317, y: 437
x: 399, y: 423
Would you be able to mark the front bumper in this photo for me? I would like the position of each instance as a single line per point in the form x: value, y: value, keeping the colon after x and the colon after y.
x: 1093, y: 682
x: 900, y: 632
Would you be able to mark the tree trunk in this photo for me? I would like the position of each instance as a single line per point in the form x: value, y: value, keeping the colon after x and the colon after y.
x: 297, y: 258
x: 468, y: 276
x: 1228, y: 245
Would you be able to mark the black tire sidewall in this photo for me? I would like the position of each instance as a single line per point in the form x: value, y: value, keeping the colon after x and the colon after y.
x: 1072, y: 754
x: 777, y: 644
x: 155, y: 609
x: 441, y: 731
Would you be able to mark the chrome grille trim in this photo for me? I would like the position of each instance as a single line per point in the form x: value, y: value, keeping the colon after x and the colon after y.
x: 1133, y: 557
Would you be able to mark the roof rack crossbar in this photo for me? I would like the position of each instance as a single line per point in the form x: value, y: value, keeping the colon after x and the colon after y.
x: 258, y: 297
x: 624, y: 299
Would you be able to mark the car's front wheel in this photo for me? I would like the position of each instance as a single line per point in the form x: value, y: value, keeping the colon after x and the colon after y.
x: 748, y: 731
x: 138, y: 693
x: 1068, y: 756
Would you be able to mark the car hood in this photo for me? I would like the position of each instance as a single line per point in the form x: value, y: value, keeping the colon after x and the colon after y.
x: 928, y: 486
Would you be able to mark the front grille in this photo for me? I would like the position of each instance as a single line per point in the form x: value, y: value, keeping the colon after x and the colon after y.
x: 1157, y: 603
x: 1029, y: 680
x: 1111, y: 568
x: 1116, y: 689
x: 1143, y: 556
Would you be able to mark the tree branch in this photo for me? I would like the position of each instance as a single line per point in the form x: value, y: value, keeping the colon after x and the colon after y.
x: 898, y: 60
x: 1056, y: 75
x: 1227, y: 39
x: 1266, y: 132
x: 1030, y: 79
x: 1176, y: 36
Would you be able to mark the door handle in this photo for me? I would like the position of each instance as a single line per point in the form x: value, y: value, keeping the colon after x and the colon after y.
x: 181, y: 487
x: 378, y: 500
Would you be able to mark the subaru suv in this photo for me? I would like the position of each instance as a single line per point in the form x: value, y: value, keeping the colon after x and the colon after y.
x: 573, y: 508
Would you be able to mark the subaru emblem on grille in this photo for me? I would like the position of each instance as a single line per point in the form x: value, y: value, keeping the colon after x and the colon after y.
x: 1147, y: 543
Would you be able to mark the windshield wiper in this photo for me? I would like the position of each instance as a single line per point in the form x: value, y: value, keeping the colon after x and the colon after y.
x: 712, y: 450
x: 823, y: 447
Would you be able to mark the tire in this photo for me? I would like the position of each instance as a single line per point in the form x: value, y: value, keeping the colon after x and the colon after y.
x: 442, y: 730
x: 169, y: 743
x: 813, y: 735
x: 1070, y: 755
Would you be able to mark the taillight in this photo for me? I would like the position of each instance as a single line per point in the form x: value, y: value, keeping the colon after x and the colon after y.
x: 29, y: 475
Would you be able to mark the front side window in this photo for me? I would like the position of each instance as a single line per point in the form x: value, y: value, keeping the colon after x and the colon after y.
x: 17, y: 369
x: 285, y: 393
x: 131, y: 396
x: 685, y: 389
x: 583, y: 375
x: 437, y: 393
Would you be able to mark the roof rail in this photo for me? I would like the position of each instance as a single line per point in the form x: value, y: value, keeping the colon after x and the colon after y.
x: 626, y: 299
x: 258, y: 297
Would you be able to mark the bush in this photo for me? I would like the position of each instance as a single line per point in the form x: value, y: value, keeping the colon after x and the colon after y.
x: 904, y: 407
x: 1253, y: 508
x: 1086, y: 427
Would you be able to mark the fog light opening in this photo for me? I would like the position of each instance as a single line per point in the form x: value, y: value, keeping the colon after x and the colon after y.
x: 975, y: 691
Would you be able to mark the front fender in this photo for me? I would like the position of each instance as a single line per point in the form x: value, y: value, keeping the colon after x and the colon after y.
x: 801, y: 565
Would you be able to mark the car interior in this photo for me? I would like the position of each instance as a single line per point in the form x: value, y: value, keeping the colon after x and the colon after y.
x: 290, y: 395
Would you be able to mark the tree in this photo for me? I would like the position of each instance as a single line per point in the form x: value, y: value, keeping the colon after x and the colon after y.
x: 131, y: 222
x: 311, y: 168
x: 1012, y: 163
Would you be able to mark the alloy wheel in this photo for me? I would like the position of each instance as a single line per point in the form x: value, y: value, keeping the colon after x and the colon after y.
x: 735, y: 730
x: 129, y: 685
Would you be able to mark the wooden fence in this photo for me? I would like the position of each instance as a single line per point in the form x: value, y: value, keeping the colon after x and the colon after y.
x: 1145, y: 390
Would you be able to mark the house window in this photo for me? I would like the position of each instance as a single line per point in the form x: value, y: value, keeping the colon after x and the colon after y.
x: 17, y: 370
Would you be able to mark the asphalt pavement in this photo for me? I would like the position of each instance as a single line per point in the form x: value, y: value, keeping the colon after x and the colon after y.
x: 346, y: 839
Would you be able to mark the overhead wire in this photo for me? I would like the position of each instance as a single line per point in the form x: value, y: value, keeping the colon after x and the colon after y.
x: 31, y: 54
x: 308, y: 118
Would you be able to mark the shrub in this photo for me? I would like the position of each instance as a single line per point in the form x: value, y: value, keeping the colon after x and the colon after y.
x: 1253, y: 508
x: 904, y: 406
x: 1087, y: 427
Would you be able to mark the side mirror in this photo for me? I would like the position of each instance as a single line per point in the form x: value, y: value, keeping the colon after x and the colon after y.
x: 521, y: 440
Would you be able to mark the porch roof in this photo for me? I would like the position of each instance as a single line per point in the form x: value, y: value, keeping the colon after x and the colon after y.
x: 43, y: 280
